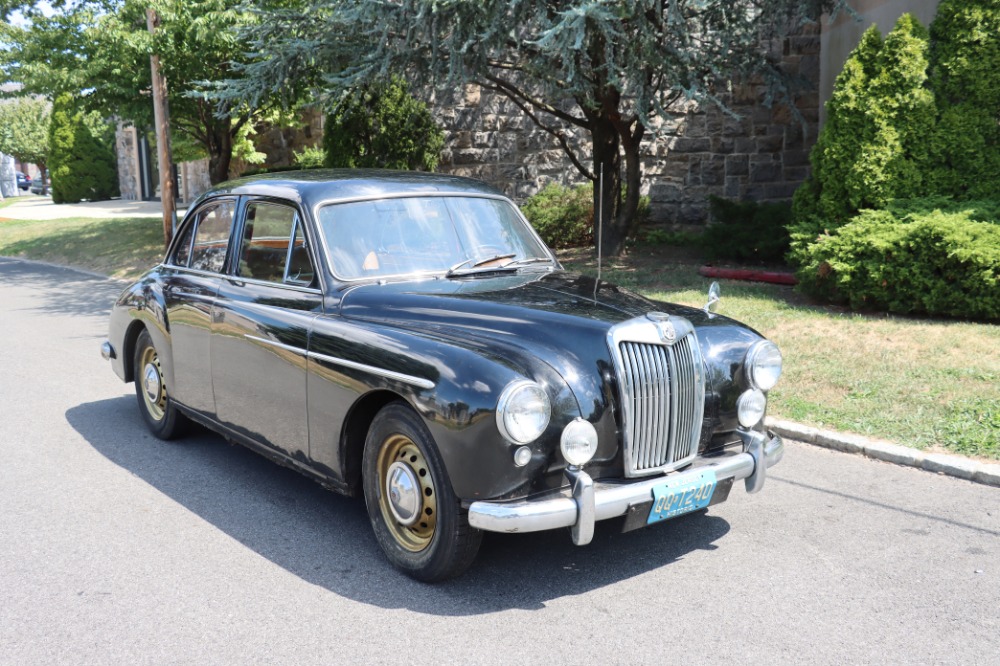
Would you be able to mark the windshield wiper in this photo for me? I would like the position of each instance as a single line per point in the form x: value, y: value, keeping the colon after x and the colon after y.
x: 526, y: 261
x: 455, y: 270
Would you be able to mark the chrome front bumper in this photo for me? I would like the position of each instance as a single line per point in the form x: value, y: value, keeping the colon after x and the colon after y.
x: 588, y: 501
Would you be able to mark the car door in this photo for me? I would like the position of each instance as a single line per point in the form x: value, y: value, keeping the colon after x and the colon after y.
x: 260, y: 336
x: 191, y: 277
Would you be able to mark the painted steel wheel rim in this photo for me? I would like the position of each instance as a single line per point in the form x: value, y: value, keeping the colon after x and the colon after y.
x: 400, y: 457
x: 154, y: 390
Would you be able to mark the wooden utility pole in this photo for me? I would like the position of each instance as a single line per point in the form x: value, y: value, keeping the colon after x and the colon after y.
x: 161, y: 118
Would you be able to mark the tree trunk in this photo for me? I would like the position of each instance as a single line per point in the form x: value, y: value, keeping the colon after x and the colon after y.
x: 43, y: 171
x: 220, y: 154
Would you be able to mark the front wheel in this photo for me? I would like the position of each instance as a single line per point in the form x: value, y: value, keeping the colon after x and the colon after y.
x: 158, y: 410
x: 419, y: 523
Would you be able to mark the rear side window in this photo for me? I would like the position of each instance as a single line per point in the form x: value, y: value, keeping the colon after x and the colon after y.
x: 210, y: 229
x: 273, y: 247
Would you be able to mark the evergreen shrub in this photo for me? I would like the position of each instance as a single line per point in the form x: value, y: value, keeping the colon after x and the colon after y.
x: 382, y: 126
x: 82, y: 163
x: 965, y: 76
x: 747, y: 231
x: 924, y: 256
x: 876, y: 144
x: 563, y: 216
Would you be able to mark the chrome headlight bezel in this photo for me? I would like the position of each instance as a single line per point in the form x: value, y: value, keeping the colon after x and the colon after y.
x: 518, y: 397
x: 762, y: 365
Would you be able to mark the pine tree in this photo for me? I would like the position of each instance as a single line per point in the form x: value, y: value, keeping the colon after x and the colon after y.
x: 82, y: 166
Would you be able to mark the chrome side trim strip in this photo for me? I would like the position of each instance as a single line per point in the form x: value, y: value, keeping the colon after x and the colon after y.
x: 279, y: 345
x: 419, y: 382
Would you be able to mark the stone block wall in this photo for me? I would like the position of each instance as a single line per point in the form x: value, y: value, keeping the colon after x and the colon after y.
x: 760, y: 153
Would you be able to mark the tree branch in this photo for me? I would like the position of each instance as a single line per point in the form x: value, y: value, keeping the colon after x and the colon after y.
x: 559, y: 134
x: 513, y: 92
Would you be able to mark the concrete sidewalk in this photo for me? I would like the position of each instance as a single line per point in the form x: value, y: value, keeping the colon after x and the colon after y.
x: 42, y: 208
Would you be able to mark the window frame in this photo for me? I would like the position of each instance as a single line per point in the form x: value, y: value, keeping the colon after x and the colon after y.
x: 192, y: 221
x: 315, y: 285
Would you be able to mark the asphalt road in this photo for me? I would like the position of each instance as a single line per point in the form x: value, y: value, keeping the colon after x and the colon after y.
x: 116, y: 548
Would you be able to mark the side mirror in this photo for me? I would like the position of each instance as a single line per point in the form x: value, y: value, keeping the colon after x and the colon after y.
x: 714, y: 295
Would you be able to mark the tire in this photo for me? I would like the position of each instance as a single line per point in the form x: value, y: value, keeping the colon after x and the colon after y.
x: 159, y: 412
x: 425, y: 533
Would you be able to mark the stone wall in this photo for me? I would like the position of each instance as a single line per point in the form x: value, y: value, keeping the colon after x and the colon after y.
x: 127, y: 151
x: 760, y: 154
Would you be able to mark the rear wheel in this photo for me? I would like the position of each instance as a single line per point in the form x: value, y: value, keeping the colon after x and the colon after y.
x: 158, y: 411
x: 419, y: 523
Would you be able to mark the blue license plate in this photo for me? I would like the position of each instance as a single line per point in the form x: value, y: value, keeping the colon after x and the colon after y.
x: 678, y: 496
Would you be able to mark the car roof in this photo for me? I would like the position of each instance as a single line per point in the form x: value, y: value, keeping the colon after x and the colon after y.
x: 316, y: 186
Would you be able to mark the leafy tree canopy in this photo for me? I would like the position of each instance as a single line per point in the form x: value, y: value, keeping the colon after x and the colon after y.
x: 24, y: 126
x: 382, y: 126
x: 98, y: 51
x: 593, y: 73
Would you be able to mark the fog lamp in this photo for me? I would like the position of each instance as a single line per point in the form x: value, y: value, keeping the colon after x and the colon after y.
x: 578, y: 442
x: 750, y: 407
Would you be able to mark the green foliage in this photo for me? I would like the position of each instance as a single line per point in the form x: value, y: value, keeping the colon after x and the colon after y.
x: 915, y: 257
x: 381, y: 125
x: 595, y: 74
x: 965, y: 76
x: 311, y: 157
x: 747, y: 231
x: 563, y: 216
x: 24, y: 129
x: 665, y: 237
x: 874, y: 146
x: 99, y: 51
x: 82, y: 163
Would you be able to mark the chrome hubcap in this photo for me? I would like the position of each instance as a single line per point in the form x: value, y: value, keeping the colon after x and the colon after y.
x: 151, y: 382
x: 404, y: 493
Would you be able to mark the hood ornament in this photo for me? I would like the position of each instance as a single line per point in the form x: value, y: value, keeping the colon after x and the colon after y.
x: 664, y: 327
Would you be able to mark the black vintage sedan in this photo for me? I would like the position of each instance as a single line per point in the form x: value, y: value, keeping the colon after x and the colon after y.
x: 408, y: 338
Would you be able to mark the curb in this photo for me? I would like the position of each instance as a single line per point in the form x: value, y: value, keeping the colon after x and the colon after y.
x: 938, y: 463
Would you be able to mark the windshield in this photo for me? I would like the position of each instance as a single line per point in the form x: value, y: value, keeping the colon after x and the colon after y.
x: 386, y: 237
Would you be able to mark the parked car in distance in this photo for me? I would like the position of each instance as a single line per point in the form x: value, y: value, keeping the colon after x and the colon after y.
x: 39, y: 184
x: 23, y: 182
x: 407, y: 338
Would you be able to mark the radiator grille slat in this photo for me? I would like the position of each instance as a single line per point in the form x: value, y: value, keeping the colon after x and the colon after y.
x: 662, y: 383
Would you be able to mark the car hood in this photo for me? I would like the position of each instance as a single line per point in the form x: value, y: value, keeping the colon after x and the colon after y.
x: 556, y: 317
x: 531, y: 307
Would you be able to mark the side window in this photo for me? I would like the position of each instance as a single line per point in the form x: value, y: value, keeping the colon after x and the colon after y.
x: 208, y: 253
x: 273, y: 247
x: 182, y: 256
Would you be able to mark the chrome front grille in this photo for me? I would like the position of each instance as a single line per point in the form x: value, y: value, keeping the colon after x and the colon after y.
x: 663, y: 393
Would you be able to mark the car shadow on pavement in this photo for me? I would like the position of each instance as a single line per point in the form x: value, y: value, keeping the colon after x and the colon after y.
x: 63, y: 291
x: 325, y: 539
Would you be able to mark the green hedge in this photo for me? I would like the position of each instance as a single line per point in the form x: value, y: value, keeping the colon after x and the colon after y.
x: 563, y: 216
x: 923, y: 256
x: 746, y: 231
x: 82, y: 162
x: 382, y: 126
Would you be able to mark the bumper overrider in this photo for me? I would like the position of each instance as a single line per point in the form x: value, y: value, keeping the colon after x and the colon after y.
x: 587, y: 501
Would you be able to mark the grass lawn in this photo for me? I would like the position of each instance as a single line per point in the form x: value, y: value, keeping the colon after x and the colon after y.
x: 120, y: 247
x: 919, y: 382
x: 923, y: 383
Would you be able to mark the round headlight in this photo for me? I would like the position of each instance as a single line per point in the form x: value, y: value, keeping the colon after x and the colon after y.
x: 763, y: 365
x: 523, y: 411
x: 578, y: 442
x: 750, y: 407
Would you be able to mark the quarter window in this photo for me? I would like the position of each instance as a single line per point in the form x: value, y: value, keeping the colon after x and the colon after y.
x: 274, y: 246
x: 211, y: 240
